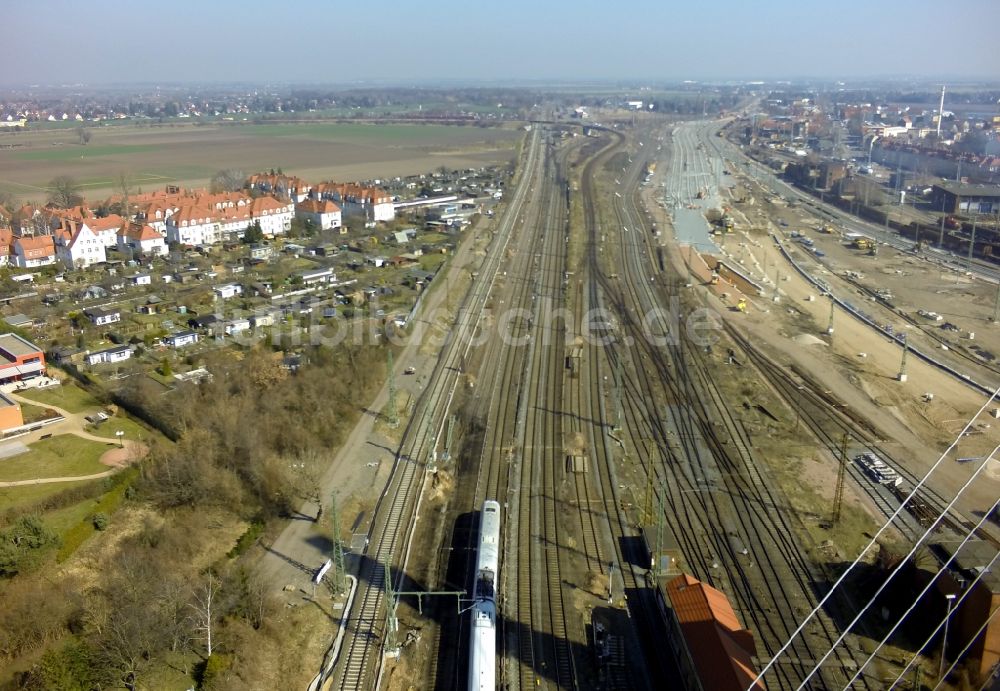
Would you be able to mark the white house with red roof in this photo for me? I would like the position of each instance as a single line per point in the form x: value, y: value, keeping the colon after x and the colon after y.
x: 141, y: 239
x: 275, y: 217
x: 31, y: 251
x: 77, y: 246
x: 6, y: 241
x: 374, y: 203
x: 216, y: 218
x: 323, y: 214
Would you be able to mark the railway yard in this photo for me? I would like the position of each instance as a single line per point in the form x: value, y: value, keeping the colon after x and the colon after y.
x: 646, y: 404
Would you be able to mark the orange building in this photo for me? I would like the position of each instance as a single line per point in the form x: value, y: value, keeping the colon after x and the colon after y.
x: 19, y: 359
x: 714, y: 652
x: 10, y: 414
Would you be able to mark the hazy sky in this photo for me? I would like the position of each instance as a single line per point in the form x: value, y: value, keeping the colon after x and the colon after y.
x: 106, y: 41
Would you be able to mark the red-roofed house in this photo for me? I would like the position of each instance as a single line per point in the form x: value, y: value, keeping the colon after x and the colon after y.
x: 140, y: 238
x: 31, y: 251
x: 6, y: 240
x: 324, y: 214
x: 714, y: 652
x: 77, y: 246
x: 275, y: 217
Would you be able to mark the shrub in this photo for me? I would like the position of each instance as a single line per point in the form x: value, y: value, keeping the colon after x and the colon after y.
x: 101, y: 521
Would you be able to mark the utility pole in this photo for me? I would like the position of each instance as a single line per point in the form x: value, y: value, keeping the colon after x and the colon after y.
x: 996, y: 305
x: 338, y: 547
x: 838, y: 494
x: 392, y: 417
x: 902, y: 363
x: 446, y: 454
x: 647, y: 501
x: 660, y: 527
x: 390, y: 614
x: 432, y: 450
x: 972, y: 240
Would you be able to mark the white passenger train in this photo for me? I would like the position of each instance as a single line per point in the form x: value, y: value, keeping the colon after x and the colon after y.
x: 483, y: 629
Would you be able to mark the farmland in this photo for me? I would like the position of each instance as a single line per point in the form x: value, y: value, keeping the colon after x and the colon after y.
x: 188, y: 154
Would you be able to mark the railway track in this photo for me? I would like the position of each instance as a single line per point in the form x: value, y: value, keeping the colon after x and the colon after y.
x: 706, y: 472
x: 360, y: 664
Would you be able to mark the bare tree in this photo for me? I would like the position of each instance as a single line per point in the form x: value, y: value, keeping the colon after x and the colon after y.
x: 64, y: 192
x: 124, y: 184
x: 84, y: 134
x: 228, y: 180
x: 202, y: 606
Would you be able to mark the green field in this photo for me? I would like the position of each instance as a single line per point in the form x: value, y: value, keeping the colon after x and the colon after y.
x: 64, y: 456
x: 69, y: 397
x: 27, y: 495
x: 72, y: 153
x: 359, y: 133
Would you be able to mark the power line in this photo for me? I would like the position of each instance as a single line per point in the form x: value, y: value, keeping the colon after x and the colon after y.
x: 873, y: 540
x: 923, y: 592
x: 934, y: 633
x: 993, y: 671
x: 905, y: 559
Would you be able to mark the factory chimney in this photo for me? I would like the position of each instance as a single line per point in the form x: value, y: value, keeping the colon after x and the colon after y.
x: 940, y: 113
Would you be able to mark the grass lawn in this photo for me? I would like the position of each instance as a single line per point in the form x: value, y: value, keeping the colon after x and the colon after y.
x: 69, y: 153
x: 69, y: 397
x: 33, y: 413
x: 132, y: 429
x: 64, y: 456
x: 19, y: 497
x: 430, y: 262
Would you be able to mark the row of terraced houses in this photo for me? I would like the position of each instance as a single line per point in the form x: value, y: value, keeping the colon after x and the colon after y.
x: 78, y: 238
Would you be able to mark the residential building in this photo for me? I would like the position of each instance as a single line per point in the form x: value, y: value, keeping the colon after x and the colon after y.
x: 141, y: 239
x: 19, y: 359
x: 100, y: 316
x: 323, y: 214
x: 6, y: 242
x: 237, y: 325
x: 110, y: 355
x: 228, y: 290
x: 373, y: 203
x: 78, y: 246
x: 211, y: 219
x: 314, y: 276
x: 181, y: 339
x: 30, y: 252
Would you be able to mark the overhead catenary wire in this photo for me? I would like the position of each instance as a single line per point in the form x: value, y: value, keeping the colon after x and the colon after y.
x: 965, y: 594
x: 989, y: 677
x: 927, y: 588
x: 903, y: 561
x: 857, y: 560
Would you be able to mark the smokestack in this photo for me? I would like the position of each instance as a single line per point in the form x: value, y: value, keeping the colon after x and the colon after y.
x: 940, y: 112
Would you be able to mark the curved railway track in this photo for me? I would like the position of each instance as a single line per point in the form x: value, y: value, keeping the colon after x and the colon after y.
x: 706, y: 474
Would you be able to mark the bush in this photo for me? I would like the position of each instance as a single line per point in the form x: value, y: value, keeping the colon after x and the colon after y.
x: 101, y: 521
x: 247, y: 539
x: 212, y: 669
